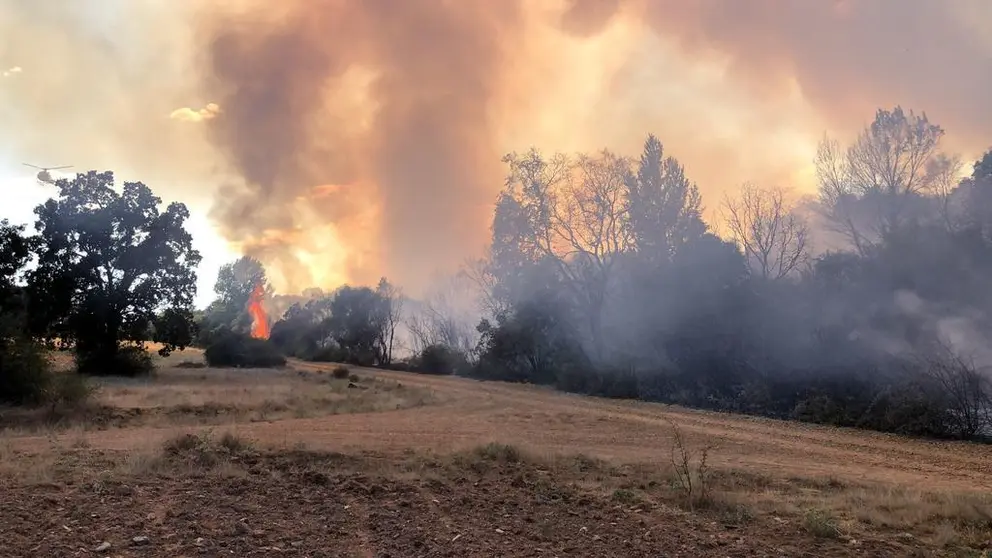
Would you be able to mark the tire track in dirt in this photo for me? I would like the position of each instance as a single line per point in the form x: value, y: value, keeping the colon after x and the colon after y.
x: 472, y: 412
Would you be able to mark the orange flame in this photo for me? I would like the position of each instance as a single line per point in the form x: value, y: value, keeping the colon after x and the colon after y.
x: 260, y: 320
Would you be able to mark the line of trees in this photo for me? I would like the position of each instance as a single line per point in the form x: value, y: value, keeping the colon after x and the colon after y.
x: 603, y: 278
x: 864, y: 307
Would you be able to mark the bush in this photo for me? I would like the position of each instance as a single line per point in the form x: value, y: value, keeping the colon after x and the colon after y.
x: 441, y: 359
x: 241, y: 351
x: 25, y: 374
x: 129, y: 362
x: 341, y: 372
x: 69, y: 389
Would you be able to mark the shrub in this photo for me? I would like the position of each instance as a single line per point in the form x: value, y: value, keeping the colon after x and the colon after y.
x: 241, y: 351
x: 126, y: 361
x: 341, y: 372
x: 441, y: 359
x: 25, y: 373
x: 69, y: 390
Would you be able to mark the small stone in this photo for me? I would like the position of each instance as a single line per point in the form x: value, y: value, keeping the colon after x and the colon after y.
x: 458, y: 536
x: 198, y: 541
x: 596, y: 537
x: 500, y: 531
x: 102, y: 547
x: 140, y: 539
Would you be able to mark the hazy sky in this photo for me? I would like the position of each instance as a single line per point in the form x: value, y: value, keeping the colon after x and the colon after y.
x: 340, y: 140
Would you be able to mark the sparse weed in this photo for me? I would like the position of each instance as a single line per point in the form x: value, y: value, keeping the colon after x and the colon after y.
x: 201, y: 450
x: 692, y: 473
x: 625, y: 496
x: 501, y: 453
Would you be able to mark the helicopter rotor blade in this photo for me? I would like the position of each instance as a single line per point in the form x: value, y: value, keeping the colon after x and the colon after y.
x: 32, y: 166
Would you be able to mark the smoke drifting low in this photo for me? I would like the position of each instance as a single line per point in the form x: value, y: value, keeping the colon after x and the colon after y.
x: 359, y: 138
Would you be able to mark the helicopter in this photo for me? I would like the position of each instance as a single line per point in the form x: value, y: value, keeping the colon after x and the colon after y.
x: 43, y: 175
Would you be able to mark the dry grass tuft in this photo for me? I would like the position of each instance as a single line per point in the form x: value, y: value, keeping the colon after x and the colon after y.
x: 820, y: 524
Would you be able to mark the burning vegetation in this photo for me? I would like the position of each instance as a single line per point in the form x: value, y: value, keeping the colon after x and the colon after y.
x: 259, y: 319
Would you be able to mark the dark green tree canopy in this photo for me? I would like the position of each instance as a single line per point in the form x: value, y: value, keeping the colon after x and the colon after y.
x: 108, y: 261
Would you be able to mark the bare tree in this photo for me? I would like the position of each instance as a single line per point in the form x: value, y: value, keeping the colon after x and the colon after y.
x: 768, y: 230
x: 964, y: 386
x: 387, y: 318
x: 446, y: 316
x: 576, y: 212
x: 866, y: 189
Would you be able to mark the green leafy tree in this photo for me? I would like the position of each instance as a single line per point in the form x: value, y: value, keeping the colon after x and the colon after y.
x: 15, y: 251
x: 109, y: 260
x: 24, y: 372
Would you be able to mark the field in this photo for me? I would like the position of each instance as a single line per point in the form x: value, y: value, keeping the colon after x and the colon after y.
x: 300, y: 462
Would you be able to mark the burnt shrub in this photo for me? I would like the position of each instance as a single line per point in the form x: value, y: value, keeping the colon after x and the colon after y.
x: 341, y: 372
x: 234, y: 350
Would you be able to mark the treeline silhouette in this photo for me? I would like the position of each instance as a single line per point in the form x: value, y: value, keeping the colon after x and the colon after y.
x: 863, y: 307
x: 602, y: 278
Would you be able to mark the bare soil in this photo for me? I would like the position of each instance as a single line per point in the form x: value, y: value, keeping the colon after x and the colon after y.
x: 577, y: 476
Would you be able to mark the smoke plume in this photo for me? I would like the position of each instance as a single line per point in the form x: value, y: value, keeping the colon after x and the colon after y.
x: 344, y: 139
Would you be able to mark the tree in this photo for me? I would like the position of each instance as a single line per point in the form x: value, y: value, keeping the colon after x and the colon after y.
x: 25, y: 375
x: 572, y: 214
x: 447, y: 315
x: 387, y: 318
x: 976, y: 197
x: 305, y: 329
x: 869, y: 189
x: 772, y: 236
x: 235, y: 283
x: 355, y: 323
x: 15, y: 251
x: 108, y: 261
x: 664, y: 207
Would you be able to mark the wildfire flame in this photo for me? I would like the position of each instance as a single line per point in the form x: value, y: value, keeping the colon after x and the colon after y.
x: 260, y: 320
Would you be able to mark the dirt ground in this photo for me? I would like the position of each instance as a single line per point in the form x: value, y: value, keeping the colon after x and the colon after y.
x: 416, y: 474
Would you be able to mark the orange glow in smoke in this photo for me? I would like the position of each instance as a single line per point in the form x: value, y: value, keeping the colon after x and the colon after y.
x: 259, y: 319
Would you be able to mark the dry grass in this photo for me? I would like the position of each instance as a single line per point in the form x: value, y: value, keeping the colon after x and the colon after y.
x: 182, y: 393
x: 822, y: 508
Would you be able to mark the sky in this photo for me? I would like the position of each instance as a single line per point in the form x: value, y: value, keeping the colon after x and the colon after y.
x: 342, y: 140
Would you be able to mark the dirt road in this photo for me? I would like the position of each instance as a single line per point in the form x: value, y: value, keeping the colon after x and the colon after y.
x: 471, y: 413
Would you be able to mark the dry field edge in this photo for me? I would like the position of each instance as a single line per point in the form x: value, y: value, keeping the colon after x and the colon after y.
x: 598, y: 467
